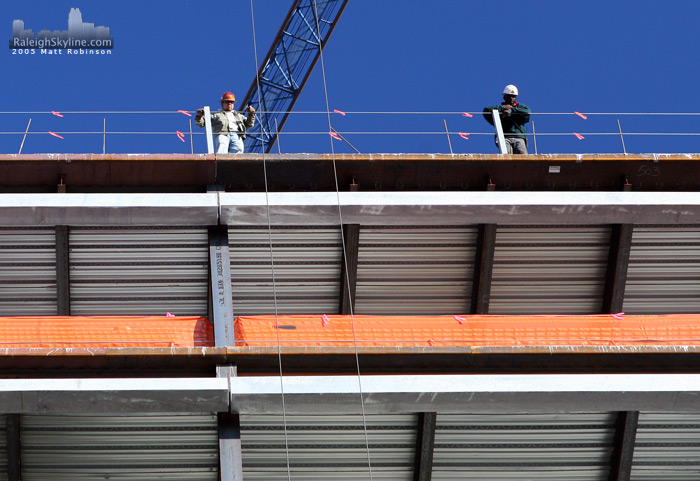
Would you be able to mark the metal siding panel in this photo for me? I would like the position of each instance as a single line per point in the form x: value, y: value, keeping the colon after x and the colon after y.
x: 549, y: 270
x: 571, y: 446
x: 27, y: 272
x: 306, y: 270
x: 664, y: 270
x: 173, y: 447
x: 139, y: 271
x: 321, y: 447
x: 417, y: 270
x: 667, y: 447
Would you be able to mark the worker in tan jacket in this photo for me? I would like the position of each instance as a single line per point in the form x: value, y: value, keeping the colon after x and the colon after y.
x: 228, y: 126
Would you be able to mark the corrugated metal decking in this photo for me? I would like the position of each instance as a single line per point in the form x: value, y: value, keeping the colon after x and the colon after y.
x: 174, y: 447
x: 549, y: 269
x: 667, y: 447
x: 323, y: 447
x: 664, y: 270
x: 132, y: 271
x: 416, y: 270
x: 27, y: 272
x: 570, y: 446
x: 306, y: 270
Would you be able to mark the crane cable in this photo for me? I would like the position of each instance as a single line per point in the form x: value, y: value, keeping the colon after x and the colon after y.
x: 272, y: 259
x: 342, y: 237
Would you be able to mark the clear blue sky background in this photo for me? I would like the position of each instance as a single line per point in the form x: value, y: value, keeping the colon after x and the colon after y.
x: 591, y: 56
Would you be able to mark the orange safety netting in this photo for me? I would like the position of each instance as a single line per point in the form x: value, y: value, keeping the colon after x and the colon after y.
x: 468, y: 330
x: 105, y: 331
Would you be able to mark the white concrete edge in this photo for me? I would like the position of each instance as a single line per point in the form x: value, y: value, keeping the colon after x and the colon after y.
x: 467, y: 393
x: 381, y: 394
x: 378, y: 208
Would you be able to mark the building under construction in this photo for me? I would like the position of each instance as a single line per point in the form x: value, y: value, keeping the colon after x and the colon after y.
x: 362, y: 317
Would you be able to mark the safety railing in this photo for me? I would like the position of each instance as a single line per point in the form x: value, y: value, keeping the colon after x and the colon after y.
x: 456, y: 132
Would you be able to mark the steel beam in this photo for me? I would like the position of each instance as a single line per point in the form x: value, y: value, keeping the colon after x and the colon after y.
x: 108, y: 209
x: 220, y: 285
x: 425, y: 447
x: 112, y: 173
x: 502, y: 146
x: 623, y: 449
x: 348, y: 268
x: 14, y: 447
x: 62, y: 270
x: 122, y: 395
x: 230, y: 455
x: 483, y: 268
x: 460, y: 208
x: 208, y: 130
x: 618, y: 262
x: 371, y: 208
x: 466, y: 393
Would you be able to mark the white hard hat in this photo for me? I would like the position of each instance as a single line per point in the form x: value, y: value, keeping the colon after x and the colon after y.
x: 510, y: 90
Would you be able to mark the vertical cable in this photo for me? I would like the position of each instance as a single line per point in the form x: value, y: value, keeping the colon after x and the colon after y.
x: 342, y: 237
x: 272, y: 260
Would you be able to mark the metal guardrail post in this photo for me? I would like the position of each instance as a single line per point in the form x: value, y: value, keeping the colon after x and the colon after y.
x: 499, y: 132
x: 207, y: 126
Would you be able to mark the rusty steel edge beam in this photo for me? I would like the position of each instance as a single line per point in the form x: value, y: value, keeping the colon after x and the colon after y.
x: 54, y: 158
x: 384, y: 157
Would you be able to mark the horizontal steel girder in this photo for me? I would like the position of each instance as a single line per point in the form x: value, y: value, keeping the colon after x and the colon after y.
x: 466, y: 393
x: 140, y: 395
x: 108, y: 209
x: 365, y: 208
x: 383, y: 394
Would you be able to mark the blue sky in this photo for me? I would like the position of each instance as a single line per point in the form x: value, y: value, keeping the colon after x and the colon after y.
x: 446, y: 56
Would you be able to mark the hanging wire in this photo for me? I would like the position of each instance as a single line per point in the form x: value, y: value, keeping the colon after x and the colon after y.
x: 342, y: 238
x: 364, y: 112
x: 272, y: 258
x: 359, y: 132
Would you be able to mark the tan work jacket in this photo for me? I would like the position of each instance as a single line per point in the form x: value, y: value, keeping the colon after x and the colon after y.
x: 220, y: 123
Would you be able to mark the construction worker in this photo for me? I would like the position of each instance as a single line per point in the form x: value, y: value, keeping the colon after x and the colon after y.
x: 228, y: 126
x: 514, y: 116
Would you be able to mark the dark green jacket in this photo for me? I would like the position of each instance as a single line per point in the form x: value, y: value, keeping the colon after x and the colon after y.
x: 514, y: 123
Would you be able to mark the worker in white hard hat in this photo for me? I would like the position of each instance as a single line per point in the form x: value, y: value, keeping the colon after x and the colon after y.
x: 514, y: 116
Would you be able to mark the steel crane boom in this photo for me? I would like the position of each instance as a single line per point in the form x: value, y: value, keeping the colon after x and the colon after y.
x: 287, y: 67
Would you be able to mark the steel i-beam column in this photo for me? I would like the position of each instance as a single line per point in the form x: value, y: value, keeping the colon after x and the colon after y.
x: 62, y: 270
x: 348, y: 268
x: 221, y: 311
x: 14, y: 451
x: 230, y: 454
x: 623, y: 449
x: 483, y: 268
x: 425, y: 447
x: 618, y: 262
